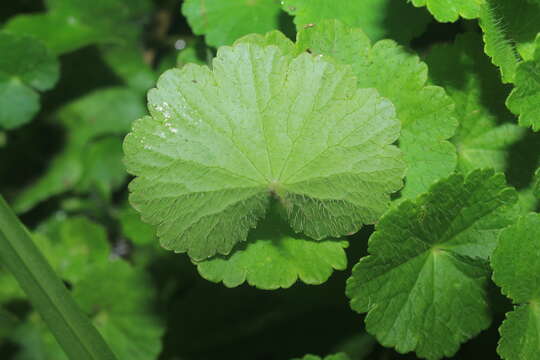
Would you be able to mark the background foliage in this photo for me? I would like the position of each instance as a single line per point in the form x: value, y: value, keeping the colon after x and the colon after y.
x: 463, y: 79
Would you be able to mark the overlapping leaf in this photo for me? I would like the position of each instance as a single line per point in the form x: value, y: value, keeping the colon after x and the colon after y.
x: 274, y: 257
x: 26, y: 68
x: 220, y: 144
x: 525, y: 97
x: 223, y: 22
x: 485, y: 133
x: 378, y: 18
x: 423, y: 284
x: 426, y: 112
x: 516, y: 269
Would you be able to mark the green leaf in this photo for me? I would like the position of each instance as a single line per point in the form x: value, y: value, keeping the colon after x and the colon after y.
x: 451, y: 10
x: 220, y: 143
x: 484, y: 135
x: 73, y: 246
x: 516, y: 269
x: 104, y: 112
x: 134, y: 229
x: 380, y: 19
x: 70, y: 25
x: 274, y: 257
x: 60, y: 33
x: 525, y: 97
x: 223, y: 22
x: 103, y: 167
x: 510, y: 28
x: 423, y: 284
x: 426, y: 112
x: 121, y: 302
x: 339, y: 356
x: 26, y: 67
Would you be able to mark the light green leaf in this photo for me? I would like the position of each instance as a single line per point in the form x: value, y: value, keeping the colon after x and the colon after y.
x: 516, y: 269
x: 274, y: 257
x: 423, y: 284
x: 510, y: 28
x: 378, y: 18
x: 426, y: 112
x: 525, y: 97
x: 223, y: 22
x: 339, y: 356
x: 69, y: 25
x: 484, y: 134
x: 26, y: 67
x: 220, y: 143
x: 103, y: 112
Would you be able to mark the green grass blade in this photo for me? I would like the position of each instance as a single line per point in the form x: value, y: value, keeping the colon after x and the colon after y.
x: 73, y: 330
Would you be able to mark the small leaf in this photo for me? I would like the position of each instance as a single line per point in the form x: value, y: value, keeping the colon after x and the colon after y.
x: 223, y: 23
x: 423, y: 284
x: 220, y: 144
x: 516, y: 269
x: 26, y: 67
x: 274, y: 257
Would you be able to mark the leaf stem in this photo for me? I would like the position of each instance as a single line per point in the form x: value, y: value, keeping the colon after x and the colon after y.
x: 49, y: 296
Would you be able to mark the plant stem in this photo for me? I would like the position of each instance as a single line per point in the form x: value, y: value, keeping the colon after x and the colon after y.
x: 49, y: 296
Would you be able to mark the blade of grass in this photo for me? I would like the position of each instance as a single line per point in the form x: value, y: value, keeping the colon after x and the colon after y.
x: 49, y: 296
